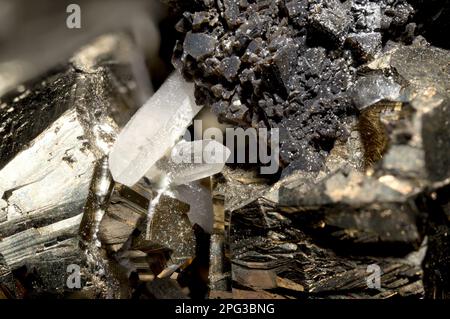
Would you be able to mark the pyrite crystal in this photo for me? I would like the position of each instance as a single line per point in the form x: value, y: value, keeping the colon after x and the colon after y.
x: 98, y: 175
x: 54, y: 130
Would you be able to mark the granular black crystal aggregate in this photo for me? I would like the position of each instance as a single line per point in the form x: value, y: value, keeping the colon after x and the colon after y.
x: 286, y: 64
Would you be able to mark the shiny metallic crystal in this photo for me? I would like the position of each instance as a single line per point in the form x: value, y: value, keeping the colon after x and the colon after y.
x: 126, y: 209
x: 367, y: 205
x: 140, y: 145
x: 54, y: 131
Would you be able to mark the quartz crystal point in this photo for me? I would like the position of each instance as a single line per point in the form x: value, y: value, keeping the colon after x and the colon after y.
x: 191, y: 161
x: 153, y: 130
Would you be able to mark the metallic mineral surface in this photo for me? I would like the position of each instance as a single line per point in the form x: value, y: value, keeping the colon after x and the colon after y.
x: 94, y: 204
x: 289, y: 64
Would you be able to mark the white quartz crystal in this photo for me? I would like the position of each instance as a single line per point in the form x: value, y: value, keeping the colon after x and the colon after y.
x: 190, y: 161
x: 153, y: 131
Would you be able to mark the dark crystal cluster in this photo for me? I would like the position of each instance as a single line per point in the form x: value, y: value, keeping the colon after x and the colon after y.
x: 286, y: 64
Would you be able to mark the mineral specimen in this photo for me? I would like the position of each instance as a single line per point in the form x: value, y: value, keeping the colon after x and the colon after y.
x: 362, y: 105
x: 372, y: 217
x: 374, y: 88
x: 365, y: 45
x: 219, y: 265
x: 7, y: 282
x: 126, y: 209
x: 288, y: 251
x: 359, y: 91
x: 198, y: 196
x: 199, y: 45
x: 169, y: 228
x: 97, y: 203
x: 332, y: 19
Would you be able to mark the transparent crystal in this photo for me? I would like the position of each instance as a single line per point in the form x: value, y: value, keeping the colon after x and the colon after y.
x: 154, y: 130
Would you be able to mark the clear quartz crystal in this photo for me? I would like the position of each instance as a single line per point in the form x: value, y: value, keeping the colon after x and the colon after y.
x: 190, y: 161
x: 154, y: 130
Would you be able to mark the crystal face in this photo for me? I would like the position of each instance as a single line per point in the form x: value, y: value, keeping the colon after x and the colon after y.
x: 191, y: 161
x: 54, y: 131
x: 98, y: 174
x: 37, y: 181
x: 153, y: 130
x: 375, y: 88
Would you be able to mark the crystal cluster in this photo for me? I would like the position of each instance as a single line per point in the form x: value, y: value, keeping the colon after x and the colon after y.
x: 54, y: 129
x: 153, y: 130
x: 191, y: 161
x: 288, y: 64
